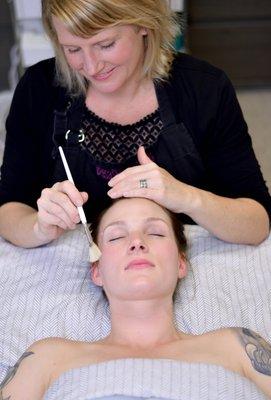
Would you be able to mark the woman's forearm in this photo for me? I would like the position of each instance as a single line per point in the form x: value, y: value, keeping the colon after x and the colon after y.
x: 242, y: 220
x: 18, y: 225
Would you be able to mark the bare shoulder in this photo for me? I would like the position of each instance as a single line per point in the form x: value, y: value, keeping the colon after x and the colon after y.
x: 30, y: 376
x: 58, y: 355
x: 257, y: 350
x: 48, y: 350
x: 244, y: 339
x: 52, y: 345
x: 250, y: 349
x: 245, y: 352
x: 256, y: 358
x: 27, y: 377
x: 222, y: 337
x: 224, y: 345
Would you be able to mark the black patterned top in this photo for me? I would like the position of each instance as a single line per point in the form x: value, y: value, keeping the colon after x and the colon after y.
x: 114, y: 143
x: 204, y: 106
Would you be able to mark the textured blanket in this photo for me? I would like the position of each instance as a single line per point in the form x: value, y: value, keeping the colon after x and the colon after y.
x: 47, y: 292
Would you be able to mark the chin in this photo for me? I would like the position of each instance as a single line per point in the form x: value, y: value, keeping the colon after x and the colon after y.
x: 112, y: 85
x: 143, y: 291
x: 106, y: 88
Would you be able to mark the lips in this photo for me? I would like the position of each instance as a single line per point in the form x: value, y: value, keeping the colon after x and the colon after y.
x: 139, y: 263
x: 103, y: 75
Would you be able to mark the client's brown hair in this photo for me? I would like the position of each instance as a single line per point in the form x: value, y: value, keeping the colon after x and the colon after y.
x: 177, y: 226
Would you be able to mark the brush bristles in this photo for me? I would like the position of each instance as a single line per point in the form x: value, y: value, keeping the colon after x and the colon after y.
x: 94, y: 252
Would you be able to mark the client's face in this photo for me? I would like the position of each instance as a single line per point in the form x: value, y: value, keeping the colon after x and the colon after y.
x: 140, y: 257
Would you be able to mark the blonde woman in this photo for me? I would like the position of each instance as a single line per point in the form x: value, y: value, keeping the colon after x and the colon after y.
x: 143, y: 257
x: 134, y: 119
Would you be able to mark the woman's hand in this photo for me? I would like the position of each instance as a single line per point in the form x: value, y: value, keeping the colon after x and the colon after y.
x: 162, y: 187
x: 57, y: 210
x: 240, y: 220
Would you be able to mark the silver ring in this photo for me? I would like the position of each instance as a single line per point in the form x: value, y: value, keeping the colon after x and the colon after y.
x: 143, y: 184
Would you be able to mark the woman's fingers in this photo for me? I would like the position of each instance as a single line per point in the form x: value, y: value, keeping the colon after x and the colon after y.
x: 128, y: 172
x: 50, y: 220
x: 141, y: 183
x: 142, y: 156
x: 155, y: 183
x: 150, y: 181
x: 132, y: 182
x: 52, y: 213
x: 58, y: 205
x: 71, y: 191
x: 146, y: 166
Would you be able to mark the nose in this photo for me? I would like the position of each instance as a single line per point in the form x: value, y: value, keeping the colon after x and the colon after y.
x: 137, y: 245
x: 91, y: 64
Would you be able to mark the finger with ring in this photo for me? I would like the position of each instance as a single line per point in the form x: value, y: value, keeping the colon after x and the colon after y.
x: 143, y: 184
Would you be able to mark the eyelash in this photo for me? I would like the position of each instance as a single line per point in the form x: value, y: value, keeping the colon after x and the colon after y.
x: 116, y: 238
x: 150, y: 234
x: 72, y: 51
x: 108, y: 46
x: 104, y: 47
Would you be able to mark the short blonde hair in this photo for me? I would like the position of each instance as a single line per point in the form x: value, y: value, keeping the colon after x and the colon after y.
x: 86, y: 18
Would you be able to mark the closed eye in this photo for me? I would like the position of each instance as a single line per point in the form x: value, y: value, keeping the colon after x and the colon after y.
x: 116, y: 238
x: 72, y: 51
x: 156, y: 234
x: 107, y: 46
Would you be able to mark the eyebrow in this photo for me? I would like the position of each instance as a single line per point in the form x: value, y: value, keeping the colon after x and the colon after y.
x: 109, y: 36
x: 106, y: 39
x: 122, y: 223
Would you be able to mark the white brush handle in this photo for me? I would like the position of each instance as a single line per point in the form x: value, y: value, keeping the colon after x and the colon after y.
x: 94, y: 251
x: 70, y: 178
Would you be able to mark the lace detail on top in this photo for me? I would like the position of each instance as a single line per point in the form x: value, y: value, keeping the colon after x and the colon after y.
x: 115, y: 143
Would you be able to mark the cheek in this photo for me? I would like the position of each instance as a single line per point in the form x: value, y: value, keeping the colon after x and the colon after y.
x: 110, y: 255
x: 168, y: 253
x: 74, y: 61
x: 126, y: 52
x: 108, y: 263
x: 123, y: 55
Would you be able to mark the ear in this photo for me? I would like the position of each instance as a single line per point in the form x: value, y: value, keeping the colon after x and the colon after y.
x: 143, y: 31
x: 95, y: 273
x: 182, y: 266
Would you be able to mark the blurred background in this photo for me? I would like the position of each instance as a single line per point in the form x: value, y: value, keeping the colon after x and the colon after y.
x: 234, y: 35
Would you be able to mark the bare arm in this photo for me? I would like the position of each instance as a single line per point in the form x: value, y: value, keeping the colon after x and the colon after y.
x: 18, y: 225
x: 39, y: 367
x: 26, y: 227
x: 256, y: 358
x: 25, y: 380
x: 242, y: 220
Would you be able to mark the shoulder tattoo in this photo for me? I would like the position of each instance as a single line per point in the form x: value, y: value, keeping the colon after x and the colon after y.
x: 11, y: 373
x: 257, y: 349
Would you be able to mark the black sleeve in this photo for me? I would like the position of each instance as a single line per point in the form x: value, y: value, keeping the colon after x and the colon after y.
x: 229, y: 156
x: 21, y: 171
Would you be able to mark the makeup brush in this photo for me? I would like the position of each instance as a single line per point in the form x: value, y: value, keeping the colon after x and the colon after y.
x: 94, y: 251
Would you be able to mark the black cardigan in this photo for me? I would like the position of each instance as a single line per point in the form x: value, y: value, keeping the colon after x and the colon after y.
x: 205, y: 142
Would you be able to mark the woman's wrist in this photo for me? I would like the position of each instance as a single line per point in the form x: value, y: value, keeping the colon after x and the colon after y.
x: 190, y: 199
x: 42, y: 236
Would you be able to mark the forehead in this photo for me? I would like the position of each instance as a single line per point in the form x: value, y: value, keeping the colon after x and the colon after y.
x: 134, y: 211
x: 64, y: 33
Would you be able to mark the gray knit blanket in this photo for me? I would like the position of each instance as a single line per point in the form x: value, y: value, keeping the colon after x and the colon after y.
x: 47, y: 292
x: 159, y: 379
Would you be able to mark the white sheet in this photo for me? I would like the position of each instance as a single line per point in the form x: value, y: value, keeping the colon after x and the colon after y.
x: 47, y: 292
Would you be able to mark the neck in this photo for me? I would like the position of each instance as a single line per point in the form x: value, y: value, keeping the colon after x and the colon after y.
x: 142, y: 324
x: 125, y: 95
